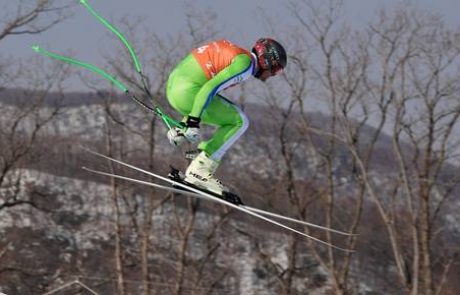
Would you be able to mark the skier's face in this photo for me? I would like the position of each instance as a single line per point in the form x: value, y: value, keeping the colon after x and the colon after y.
x: 264, y: 75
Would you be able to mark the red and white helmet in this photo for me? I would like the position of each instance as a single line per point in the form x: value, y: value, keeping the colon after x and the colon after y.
x: 271, y: 55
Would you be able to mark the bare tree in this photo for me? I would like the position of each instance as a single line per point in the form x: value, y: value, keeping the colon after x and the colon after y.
x: 325, y: 66
x: 158, y: 60
x: 425, y: 141
x: 399, y: 73
x: 24, y: 17
x: 22, y: 125
x: 118, y: 255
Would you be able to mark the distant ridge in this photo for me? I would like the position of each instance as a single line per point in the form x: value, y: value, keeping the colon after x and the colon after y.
x: 19, y: 96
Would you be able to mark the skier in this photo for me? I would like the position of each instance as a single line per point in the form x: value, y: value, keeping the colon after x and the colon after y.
x: 193, y: 90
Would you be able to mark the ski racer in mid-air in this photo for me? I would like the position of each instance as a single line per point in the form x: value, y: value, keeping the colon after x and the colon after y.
x: 193, y: 90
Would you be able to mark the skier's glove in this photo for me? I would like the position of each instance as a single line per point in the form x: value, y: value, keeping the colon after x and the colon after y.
x: 192, y: 133
x: 189, y: 131
x: 176, y: 136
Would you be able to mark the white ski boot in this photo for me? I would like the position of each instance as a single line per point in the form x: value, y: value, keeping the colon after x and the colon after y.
x: 200, y: 173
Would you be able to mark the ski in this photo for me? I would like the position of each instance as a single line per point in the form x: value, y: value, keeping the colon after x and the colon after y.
x: 152, y: 184
x: 302, y: 222
x: 197, y: 195
x: 211, y: 197
x: 203, y: 195
x: 178, y: 176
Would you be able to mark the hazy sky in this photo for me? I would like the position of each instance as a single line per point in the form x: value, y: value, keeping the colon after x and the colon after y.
x: 83, y: 34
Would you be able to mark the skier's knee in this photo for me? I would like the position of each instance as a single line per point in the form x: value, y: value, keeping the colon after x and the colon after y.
x: 242, y: 123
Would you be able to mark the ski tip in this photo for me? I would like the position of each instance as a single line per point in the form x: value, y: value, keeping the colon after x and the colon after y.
x: 88, y: 169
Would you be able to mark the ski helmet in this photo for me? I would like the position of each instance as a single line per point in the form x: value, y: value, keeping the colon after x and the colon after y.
x: 271, y: 55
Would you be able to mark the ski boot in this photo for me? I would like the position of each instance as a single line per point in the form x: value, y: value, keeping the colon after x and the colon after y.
x: 200, y: 175
x: 192, y: 154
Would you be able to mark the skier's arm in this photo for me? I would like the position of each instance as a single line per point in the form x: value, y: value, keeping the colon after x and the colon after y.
x: 239, y: 70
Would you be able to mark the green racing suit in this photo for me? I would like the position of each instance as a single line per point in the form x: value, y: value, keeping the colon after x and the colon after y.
x: 193, y: 90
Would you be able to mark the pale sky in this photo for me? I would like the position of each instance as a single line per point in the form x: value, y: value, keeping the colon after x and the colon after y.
x: 240, y: 19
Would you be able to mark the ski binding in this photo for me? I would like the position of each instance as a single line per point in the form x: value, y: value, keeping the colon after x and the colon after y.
x: 179, y: 176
